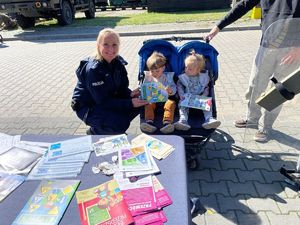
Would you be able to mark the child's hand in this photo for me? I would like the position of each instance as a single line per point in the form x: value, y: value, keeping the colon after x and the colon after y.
x: 136, y: 102
x: 169, y: 90
x: 135, y: 93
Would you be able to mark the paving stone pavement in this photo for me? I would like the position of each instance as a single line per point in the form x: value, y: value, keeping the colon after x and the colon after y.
x: 237, y: 181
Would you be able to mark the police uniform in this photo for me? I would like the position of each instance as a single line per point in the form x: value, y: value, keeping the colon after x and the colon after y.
x: 102, y: 98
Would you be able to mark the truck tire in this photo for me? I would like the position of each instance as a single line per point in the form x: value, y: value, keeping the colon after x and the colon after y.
x: 90, y: 14
x: 67, y: 14
x: 25, y: 22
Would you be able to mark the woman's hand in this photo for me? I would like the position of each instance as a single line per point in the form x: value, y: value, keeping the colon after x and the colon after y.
x: 136, y: 102
x: 291, y: 57
x: 213, y: 32
x: 135, y: 93
x: 169, y: 90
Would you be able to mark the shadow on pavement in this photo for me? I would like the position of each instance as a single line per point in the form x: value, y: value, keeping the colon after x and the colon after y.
x: 236, y: 178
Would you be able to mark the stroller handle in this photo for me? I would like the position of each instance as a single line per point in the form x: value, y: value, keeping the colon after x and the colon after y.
x: 178, y: 39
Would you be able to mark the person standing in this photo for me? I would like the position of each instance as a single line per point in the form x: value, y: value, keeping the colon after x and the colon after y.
x: 101, y: 97
x: 272, y: 11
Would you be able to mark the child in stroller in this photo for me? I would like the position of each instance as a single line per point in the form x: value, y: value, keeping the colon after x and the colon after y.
x: 175, y: 56
x: 156, y: 65
x: 194, y: 81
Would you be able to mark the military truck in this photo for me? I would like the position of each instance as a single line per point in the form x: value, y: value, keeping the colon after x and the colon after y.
x: 27, y: 11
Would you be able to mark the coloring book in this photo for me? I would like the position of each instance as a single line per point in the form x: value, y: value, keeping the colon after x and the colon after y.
x: 154, y: 92
x: 48, y: 203
x: 197, y: 102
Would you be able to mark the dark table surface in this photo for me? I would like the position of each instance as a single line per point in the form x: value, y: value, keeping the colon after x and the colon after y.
x: 173, y: 177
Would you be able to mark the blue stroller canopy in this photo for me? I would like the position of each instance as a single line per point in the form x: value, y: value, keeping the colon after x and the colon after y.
x: 199, y: 47
x: 164, y: 47
x: 176, y: 55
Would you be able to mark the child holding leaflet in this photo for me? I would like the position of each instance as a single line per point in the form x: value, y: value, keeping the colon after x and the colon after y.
x: 156, y: 64
x: 195, y: 82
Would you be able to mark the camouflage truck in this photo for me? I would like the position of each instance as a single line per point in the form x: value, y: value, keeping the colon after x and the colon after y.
x: 27, y: 11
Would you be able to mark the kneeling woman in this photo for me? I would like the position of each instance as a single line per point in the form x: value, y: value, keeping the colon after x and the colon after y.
x: 101, y: 97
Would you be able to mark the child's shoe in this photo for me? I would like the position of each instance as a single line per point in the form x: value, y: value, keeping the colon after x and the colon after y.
x: 167, y: 128
x: 148, y: 127
x: 182, y: 125
x: 212, y: 123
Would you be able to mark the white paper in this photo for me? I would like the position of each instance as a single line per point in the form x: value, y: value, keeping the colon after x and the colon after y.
x: 70, y: 147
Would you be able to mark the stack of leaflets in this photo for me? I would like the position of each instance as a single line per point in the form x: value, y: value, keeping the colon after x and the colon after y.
x: 103, y: 204
x: 196, y: 101
x: 158, y: 149
x: 48, y: 203
x: 63, y: 159
x: 136, y: 161
x: 145, y: 199
x: 110, y: 144
x: 8, y: 183
x: 154, y: 92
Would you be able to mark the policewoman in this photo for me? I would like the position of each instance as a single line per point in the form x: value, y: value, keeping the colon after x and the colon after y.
x: 101, y: 97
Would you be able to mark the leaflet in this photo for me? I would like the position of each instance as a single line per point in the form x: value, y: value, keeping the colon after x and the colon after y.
x: 154, y: 169
x: 158, y: 149
x: 80, y: 157
x: 110, y: 144
x: 134, y: 159
x: 70, y: 147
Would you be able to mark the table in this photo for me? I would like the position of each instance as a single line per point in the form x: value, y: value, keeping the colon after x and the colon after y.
x: 173, y: 177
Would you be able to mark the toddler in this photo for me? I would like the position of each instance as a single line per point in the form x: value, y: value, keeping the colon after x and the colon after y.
x: 195, y: 82
x: 156, y: 65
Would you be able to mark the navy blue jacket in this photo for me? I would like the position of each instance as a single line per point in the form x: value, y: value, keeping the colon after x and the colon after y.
x: 103, y: 84
x: 272, y: 10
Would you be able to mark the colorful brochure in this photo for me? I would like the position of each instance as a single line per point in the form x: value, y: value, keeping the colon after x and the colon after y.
x: 48, y: 203
x: 154, y: 92
x: 196, y: 101
x: 8, y: 183
x: 158, y: 149
x: 151, y: 218
x: 162, y: 197
x: 103, y: 204
x: 110, y: 144
x: 139, y: 195
x: 154, y: 169
x: 134, y: 159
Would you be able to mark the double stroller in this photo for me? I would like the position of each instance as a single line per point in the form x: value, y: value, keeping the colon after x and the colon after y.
x: 175, y: 56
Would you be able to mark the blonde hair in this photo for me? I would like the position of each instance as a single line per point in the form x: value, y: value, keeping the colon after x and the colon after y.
x: 101, y: 35
x: 195, y: 59
x: 156, y: 61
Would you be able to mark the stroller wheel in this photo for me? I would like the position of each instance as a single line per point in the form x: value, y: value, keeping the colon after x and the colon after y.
x: 192, y: 163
